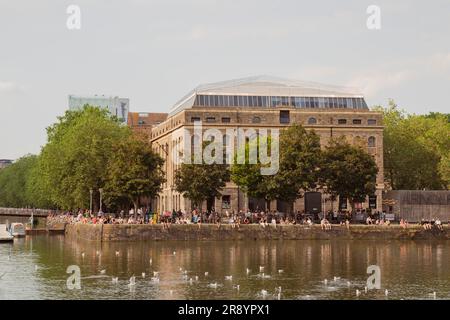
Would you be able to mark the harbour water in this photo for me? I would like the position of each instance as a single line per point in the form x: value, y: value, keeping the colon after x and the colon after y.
x: 35, y: 267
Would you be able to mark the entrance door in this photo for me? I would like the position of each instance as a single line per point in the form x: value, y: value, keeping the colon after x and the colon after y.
x: 313, y: 203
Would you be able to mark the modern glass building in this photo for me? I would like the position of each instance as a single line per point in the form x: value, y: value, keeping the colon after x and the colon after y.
x: 118, y: 107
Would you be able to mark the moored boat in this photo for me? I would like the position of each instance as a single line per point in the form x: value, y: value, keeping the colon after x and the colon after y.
x: 4, y: 234
x: 17, y: 230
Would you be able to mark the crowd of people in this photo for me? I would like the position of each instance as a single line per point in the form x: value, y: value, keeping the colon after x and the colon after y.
x: 235, y: 219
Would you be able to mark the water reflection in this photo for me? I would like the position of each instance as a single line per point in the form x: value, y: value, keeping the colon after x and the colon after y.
x: 198, y: 270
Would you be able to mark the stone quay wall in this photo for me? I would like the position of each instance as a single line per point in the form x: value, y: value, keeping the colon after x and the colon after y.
x: 249, y: 232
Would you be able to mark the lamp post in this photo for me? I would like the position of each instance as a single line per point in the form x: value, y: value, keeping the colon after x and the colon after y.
x: 101, y: 193
x: 91, y: 191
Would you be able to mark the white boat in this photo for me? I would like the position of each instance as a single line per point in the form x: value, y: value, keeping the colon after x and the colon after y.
x: 4, y: 234
x: 17, y: 230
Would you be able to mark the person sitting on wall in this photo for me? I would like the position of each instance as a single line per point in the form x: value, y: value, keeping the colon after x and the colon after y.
x: 347, y: 223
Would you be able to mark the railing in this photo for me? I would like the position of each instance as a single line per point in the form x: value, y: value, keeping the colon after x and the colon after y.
x: 27, y: 212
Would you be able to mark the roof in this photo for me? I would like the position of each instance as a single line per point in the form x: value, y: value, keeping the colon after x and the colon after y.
x: 149, y: 118
x: 265, y: 86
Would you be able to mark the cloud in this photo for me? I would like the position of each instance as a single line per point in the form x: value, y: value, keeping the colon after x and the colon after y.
x: 377, y: 78
x: 372, y: 82
x: 8, y: 86
x: 440, y: 62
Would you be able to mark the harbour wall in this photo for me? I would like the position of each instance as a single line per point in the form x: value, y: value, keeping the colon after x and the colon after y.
x: 249, y: 232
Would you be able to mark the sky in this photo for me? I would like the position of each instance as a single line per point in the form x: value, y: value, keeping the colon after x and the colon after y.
x: 154, y: 52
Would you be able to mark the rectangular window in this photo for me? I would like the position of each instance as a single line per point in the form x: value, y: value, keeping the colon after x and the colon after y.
x: 226, y: 202
x: 342, y: 121
x: 226, y: 119
x: 195, y: 119
x: 356, y: 121
x: 302, y: 102
x: 241, y: 101
x: 210, y: 119
x: 285, y: 101
x: 259, y: 98
x: 284, y: 116
x: 250, y: 101
x: 349, y: 103
x: 307, y: 104
x: 276, y: 101
x: 220, y: 101
x: 372, y: 122
x: 201, y: 100
x: 235, y: 101
x: 264, y: 101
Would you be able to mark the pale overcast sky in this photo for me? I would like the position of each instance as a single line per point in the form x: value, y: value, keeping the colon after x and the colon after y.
x: 154, y: 52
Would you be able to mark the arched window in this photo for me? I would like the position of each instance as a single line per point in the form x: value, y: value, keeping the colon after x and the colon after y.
x: 371, y: 142
x: 312, y: 120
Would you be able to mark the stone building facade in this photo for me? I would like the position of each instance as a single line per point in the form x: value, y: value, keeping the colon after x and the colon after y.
x: 265, y: 103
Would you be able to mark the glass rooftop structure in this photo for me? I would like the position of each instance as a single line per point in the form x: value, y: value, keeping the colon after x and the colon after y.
x: 265, y: 91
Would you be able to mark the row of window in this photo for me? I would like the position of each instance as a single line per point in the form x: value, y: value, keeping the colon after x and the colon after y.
x: 277, y: 101
x: 195, y: 140
x: 284, y: 118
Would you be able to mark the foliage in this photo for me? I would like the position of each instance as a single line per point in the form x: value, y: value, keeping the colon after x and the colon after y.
x: 75, y: 158
x: 348, y: 171
x: 13, y: 183
x: 133, y: 171
x: 201, y: 182
x: 416, y: 149
x: 299, y: 160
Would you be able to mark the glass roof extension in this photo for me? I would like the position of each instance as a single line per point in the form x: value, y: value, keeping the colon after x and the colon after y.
x: 264, y: 91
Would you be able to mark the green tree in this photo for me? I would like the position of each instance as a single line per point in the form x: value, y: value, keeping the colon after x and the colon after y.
x: 248, y: 175
x: 76, y: 156
x: 201, y: 182
x: 348, y: 171
x: 134, y: 171
x: 13, y: 183
x: 299, y: 161
x: 416, y: 149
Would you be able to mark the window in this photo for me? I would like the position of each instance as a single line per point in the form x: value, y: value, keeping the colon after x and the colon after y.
x: 140, y: 122
x: 372, y: 122
x: 256, y: 120
x: 356, y: 121
x: 210, y: 119
x: 195, y: 119
x: 342, y: 121
x: 312, y: 120
x: 284, y: 116
x: 226, y: 202
x: 276, y: 101
x: 226, y: 120
x: 371, y: 142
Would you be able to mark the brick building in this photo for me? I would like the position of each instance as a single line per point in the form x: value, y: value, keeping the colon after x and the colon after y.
x: 265, y: 103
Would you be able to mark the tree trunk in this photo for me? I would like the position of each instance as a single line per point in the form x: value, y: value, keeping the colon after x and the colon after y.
x: 136, y: 205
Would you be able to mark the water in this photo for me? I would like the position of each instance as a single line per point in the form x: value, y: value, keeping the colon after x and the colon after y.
x: 35, y: 268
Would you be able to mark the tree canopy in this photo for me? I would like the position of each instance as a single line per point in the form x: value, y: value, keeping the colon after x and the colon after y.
x: 416, y: 149
x: 133, y: 171
x: 201, y: 182
x: 348, y: 171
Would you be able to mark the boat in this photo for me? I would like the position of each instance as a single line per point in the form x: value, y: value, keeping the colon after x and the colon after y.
x: 17, y: 230
x: 4, y: 234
